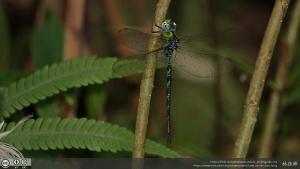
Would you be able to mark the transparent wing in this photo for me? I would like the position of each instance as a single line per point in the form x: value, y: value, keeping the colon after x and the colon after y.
x: 225, y: 33
x: 226, y: 39
x: 137, y: 40
x: 199, y: 64
x: 125, y: 66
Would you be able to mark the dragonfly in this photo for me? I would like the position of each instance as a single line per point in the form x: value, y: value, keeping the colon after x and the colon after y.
x: 173, y: 52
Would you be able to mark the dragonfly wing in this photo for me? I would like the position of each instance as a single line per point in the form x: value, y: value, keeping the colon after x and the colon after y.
x: 126, y: 67
x: 159, y: 53
x: 198, y: 64
x: 136, y: 39
x: 226, y: 33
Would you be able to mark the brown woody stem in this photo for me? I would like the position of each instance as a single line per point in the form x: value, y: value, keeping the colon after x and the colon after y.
x: 252, y: 103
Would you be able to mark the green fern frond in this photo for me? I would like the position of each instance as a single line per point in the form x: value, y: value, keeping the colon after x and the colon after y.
x: 63, y: 76
x: 56, y: 133
x: 54, y: 79
x: 127, y: 67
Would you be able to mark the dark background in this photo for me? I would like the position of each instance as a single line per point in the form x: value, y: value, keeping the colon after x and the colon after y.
x: 35, y: 33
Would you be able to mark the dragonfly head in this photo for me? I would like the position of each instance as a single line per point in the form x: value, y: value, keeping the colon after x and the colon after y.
x: 168, y: 26
x: 168, y: 29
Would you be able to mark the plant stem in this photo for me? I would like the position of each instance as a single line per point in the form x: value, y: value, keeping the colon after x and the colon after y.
x: 269, y: 128
x: 147, y: 84
x: 219, y: 129
x: 114, y: 17
x: 75, y: 10
x: 74, y: 25
x: 251, y: 106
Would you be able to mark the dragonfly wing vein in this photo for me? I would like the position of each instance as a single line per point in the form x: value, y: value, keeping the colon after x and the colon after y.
x: 136, y: 40
x: 197, y: 64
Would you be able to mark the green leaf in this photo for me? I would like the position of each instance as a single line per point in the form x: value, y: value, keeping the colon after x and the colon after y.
x: 95, y: 101
x: 128, y: 67
x: 60, y: 77
x: 56, y: 133
x: 55, y: 79
x: 48, y: 108
x: 47, y: 42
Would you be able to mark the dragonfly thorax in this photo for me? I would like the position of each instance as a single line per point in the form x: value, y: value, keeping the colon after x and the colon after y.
x: 169, y: 36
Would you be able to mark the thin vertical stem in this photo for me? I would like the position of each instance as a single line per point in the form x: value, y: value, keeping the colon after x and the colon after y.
x: 218, y: 127
x: 75, y: 10
x: 114, y: 17
x: 74, y: 24
x: 251, y: 106
x: 147, y: 84
x: 286, y: 56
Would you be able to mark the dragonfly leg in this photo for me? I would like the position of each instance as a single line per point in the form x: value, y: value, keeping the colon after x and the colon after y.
x: 161, y: 29
x: 158, y: 26
x: 155, y: 31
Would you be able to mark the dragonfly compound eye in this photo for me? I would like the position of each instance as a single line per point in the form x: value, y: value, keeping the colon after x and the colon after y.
x: 168, y: 26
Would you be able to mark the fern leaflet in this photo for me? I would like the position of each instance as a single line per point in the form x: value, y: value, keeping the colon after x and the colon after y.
x: 51, y: 80
x: 60, y: 77
x: 56, y: 133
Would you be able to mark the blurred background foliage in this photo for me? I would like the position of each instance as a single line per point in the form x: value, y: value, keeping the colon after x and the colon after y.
x: 35, y: 33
